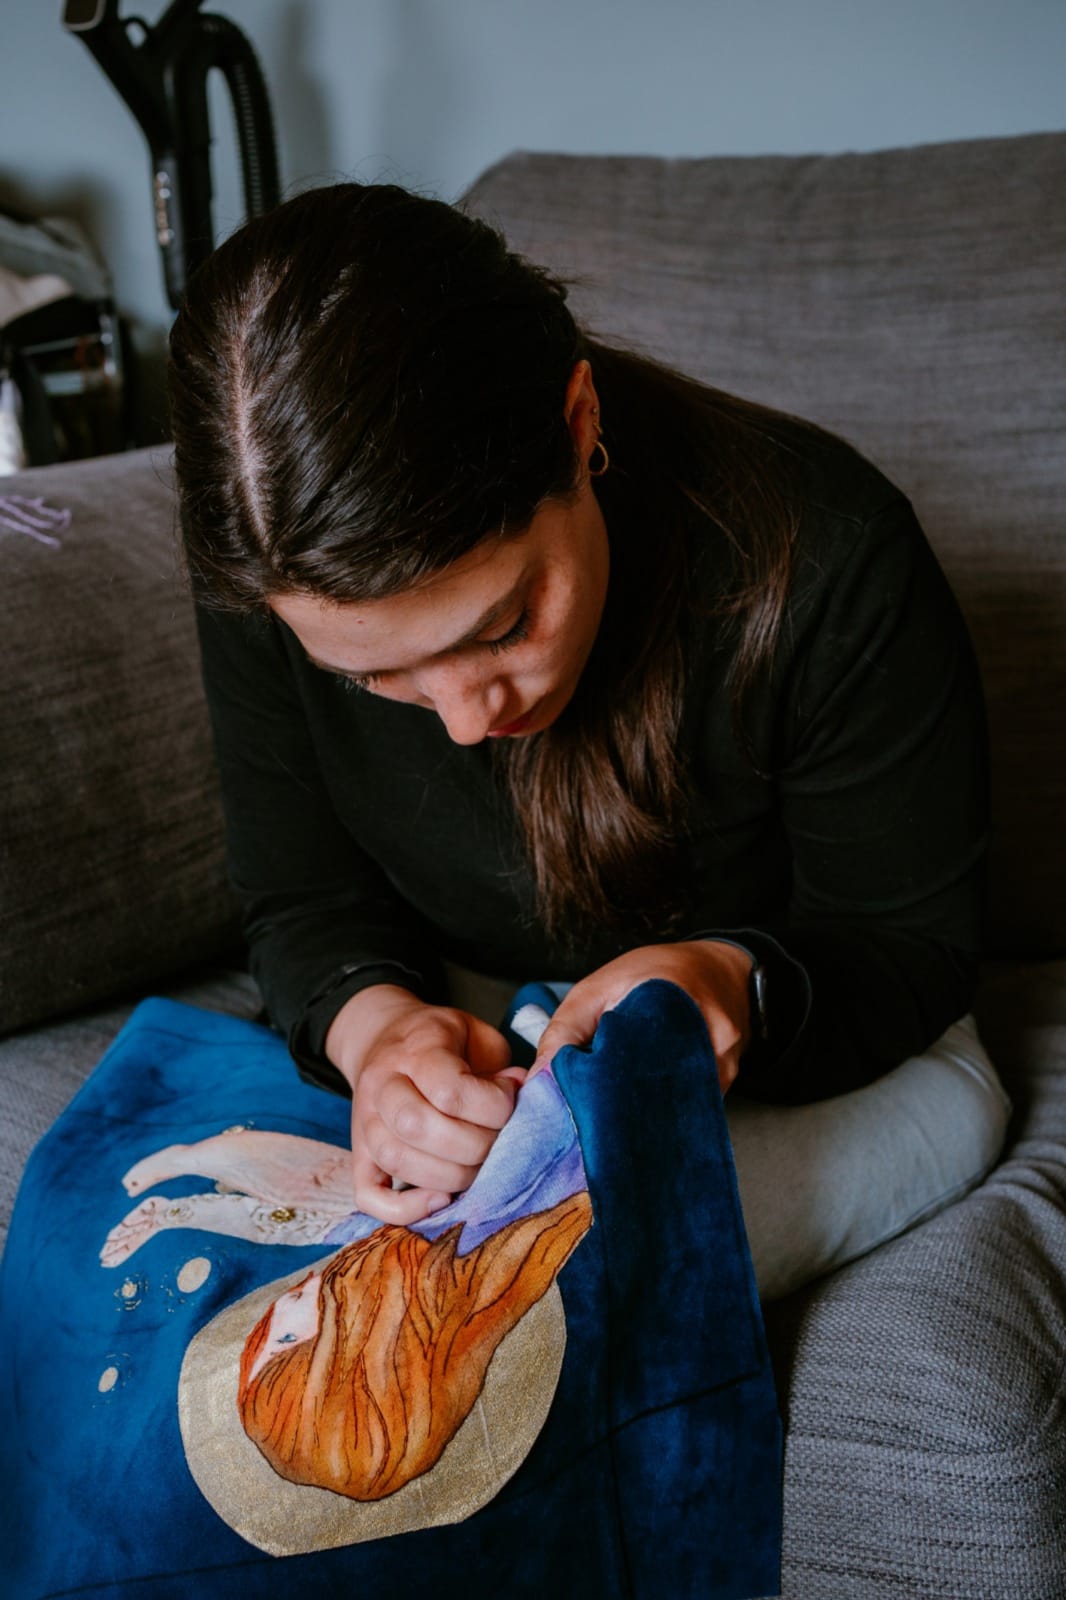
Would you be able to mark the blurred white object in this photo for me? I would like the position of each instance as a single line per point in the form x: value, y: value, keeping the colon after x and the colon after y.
x: 55, y: 246
x: 19, y: 295
x: 529, y: 1022
x: 12, y: 448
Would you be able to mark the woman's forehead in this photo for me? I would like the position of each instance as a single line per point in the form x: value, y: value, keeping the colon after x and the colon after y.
x: 438, y: 617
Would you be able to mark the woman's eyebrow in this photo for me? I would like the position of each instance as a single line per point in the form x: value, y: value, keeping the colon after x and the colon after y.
x: 495, y: 613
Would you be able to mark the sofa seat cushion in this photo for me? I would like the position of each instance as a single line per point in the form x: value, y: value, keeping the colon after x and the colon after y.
x: 923, y: 1387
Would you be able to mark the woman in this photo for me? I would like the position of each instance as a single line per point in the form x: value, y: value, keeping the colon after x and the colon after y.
x: 532, y: 655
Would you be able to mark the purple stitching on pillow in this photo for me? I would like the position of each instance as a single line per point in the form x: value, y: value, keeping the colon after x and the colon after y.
x: 33, y: 517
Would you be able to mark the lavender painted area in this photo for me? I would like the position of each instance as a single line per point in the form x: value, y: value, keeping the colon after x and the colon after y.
x: 34, y: 518
x: 534, y: 1164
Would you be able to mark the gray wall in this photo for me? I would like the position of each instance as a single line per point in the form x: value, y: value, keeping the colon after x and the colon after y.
x: 429, y: 92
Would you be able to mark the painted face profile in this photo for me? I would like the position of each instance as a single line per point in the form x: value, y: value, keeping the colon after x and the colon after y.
x: 293, y: 1319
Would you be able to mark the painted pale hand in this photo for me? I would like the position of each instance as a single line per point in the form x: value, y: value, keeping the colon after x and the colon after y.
x: 715, y: 975
x: 269, y: 1187
x: 433, y: 1091
x: 236, y: 1216
x: 283, y: 1168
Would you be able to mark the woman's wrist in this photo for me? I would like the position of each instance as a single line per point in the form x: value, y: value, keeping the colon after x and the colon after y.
x: 359, y: 1024
x: 734, y: 964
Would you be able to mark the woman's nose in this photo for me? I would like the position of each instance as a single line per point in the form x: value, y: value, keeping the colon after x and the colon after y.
x: 467, y: 705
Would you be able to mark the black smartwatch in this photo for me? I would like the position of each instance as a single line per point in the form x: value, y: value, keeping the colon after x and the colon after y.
x: 760, y: 1016
x: 757, y: 977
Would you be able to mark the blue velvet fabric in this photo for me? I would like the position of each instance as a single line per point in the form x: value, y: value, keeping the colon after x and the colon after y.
x: 658, y: 1472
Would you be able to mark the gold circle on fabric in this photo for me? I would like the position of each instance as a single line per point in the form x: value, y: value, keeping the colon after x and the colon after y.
x: 286, y: 1518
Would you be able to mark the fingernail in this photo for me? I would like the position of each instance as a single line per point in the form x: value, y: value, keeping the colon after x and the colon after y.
x: 437, y: 1202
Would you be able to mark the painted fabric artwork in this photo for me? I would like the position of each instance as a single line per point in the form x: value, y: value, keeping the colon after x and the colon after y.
x: 356, y: 1378
x: 217, y: 1380
x: 392, y: 1353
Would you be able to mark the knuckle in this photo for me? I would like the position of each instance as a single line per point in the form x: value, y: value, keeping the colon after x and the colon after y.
x: 451, y: 1100
x: 485, y: 1144
x: 376, y: 1066
x: 421, y: 1026
x: 438, y: 1017
x: 408, y: 1123
x: 384, y: 1151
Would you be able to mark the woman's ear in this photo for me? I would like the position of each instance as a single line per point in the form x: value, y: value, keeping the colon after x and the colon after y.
x: 581, y: 408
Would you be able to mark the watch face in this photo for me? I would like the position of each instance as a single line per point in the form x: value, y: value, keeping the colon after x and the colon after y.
x: 760, y: 1018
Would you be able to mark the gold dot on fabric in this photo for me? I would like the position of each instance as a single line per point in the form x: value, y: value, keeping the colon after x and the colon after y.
x: 283, y: 1214
x: 194, y: 1274
x: 130, y: 1292
x: 108, y: 1379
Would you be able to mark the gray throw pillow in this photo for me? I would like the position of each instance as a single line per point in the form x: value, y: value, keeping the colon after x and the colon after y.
x: 112, y: 869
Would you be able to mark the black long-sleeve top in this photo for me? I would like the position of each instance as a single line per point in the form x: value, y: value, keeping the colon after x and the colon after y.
x: 844, y: 846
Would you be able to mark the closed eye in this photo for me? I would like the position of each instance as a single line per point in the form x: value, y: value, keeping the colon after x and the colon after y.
x: 513, y: 636
x: 507, y: 641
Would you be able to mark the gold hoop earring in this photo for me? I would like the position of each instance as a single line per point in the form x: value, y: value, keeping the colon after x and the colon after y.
x: 598, y: 472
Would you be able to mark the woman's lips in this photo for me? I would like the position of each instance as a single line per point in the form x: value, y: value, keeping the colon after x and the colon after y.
x: 513, y: 727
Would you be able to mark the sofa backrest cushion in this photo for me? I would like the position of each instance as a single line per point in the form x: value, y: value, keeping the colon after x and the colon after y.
x: 912, y: 301
x: 112, y: 867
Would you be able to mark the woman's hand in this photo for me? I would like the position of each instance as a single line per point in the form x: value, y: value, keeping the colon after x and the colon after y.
x: 714, y: 974
x: 431, y: 1088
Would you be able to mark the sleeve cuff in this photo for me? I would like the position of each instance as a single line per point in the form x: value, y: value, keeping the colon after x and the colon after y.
x: 307, y: 1038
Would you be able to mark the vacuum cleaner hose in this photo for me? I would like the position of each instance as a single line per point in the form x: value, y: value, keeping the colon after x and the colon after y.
x: 231, y: 53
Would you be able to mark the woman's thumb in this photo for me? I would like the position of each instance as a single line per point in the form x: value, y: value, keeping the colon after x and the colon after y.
x: 573, y: 1023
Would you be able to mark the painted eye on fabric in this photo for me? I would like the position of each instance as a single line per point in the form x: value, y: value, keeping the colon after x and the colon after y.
x: 286, y: 1338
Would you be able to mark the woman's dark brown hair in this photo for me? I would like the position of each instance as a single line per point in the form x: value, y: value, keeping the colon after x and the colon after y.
x: 365, y: 383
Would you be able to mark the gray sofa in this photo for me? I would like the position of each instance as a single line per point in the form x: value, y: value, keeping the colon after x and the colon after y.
x: 912, y: 300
